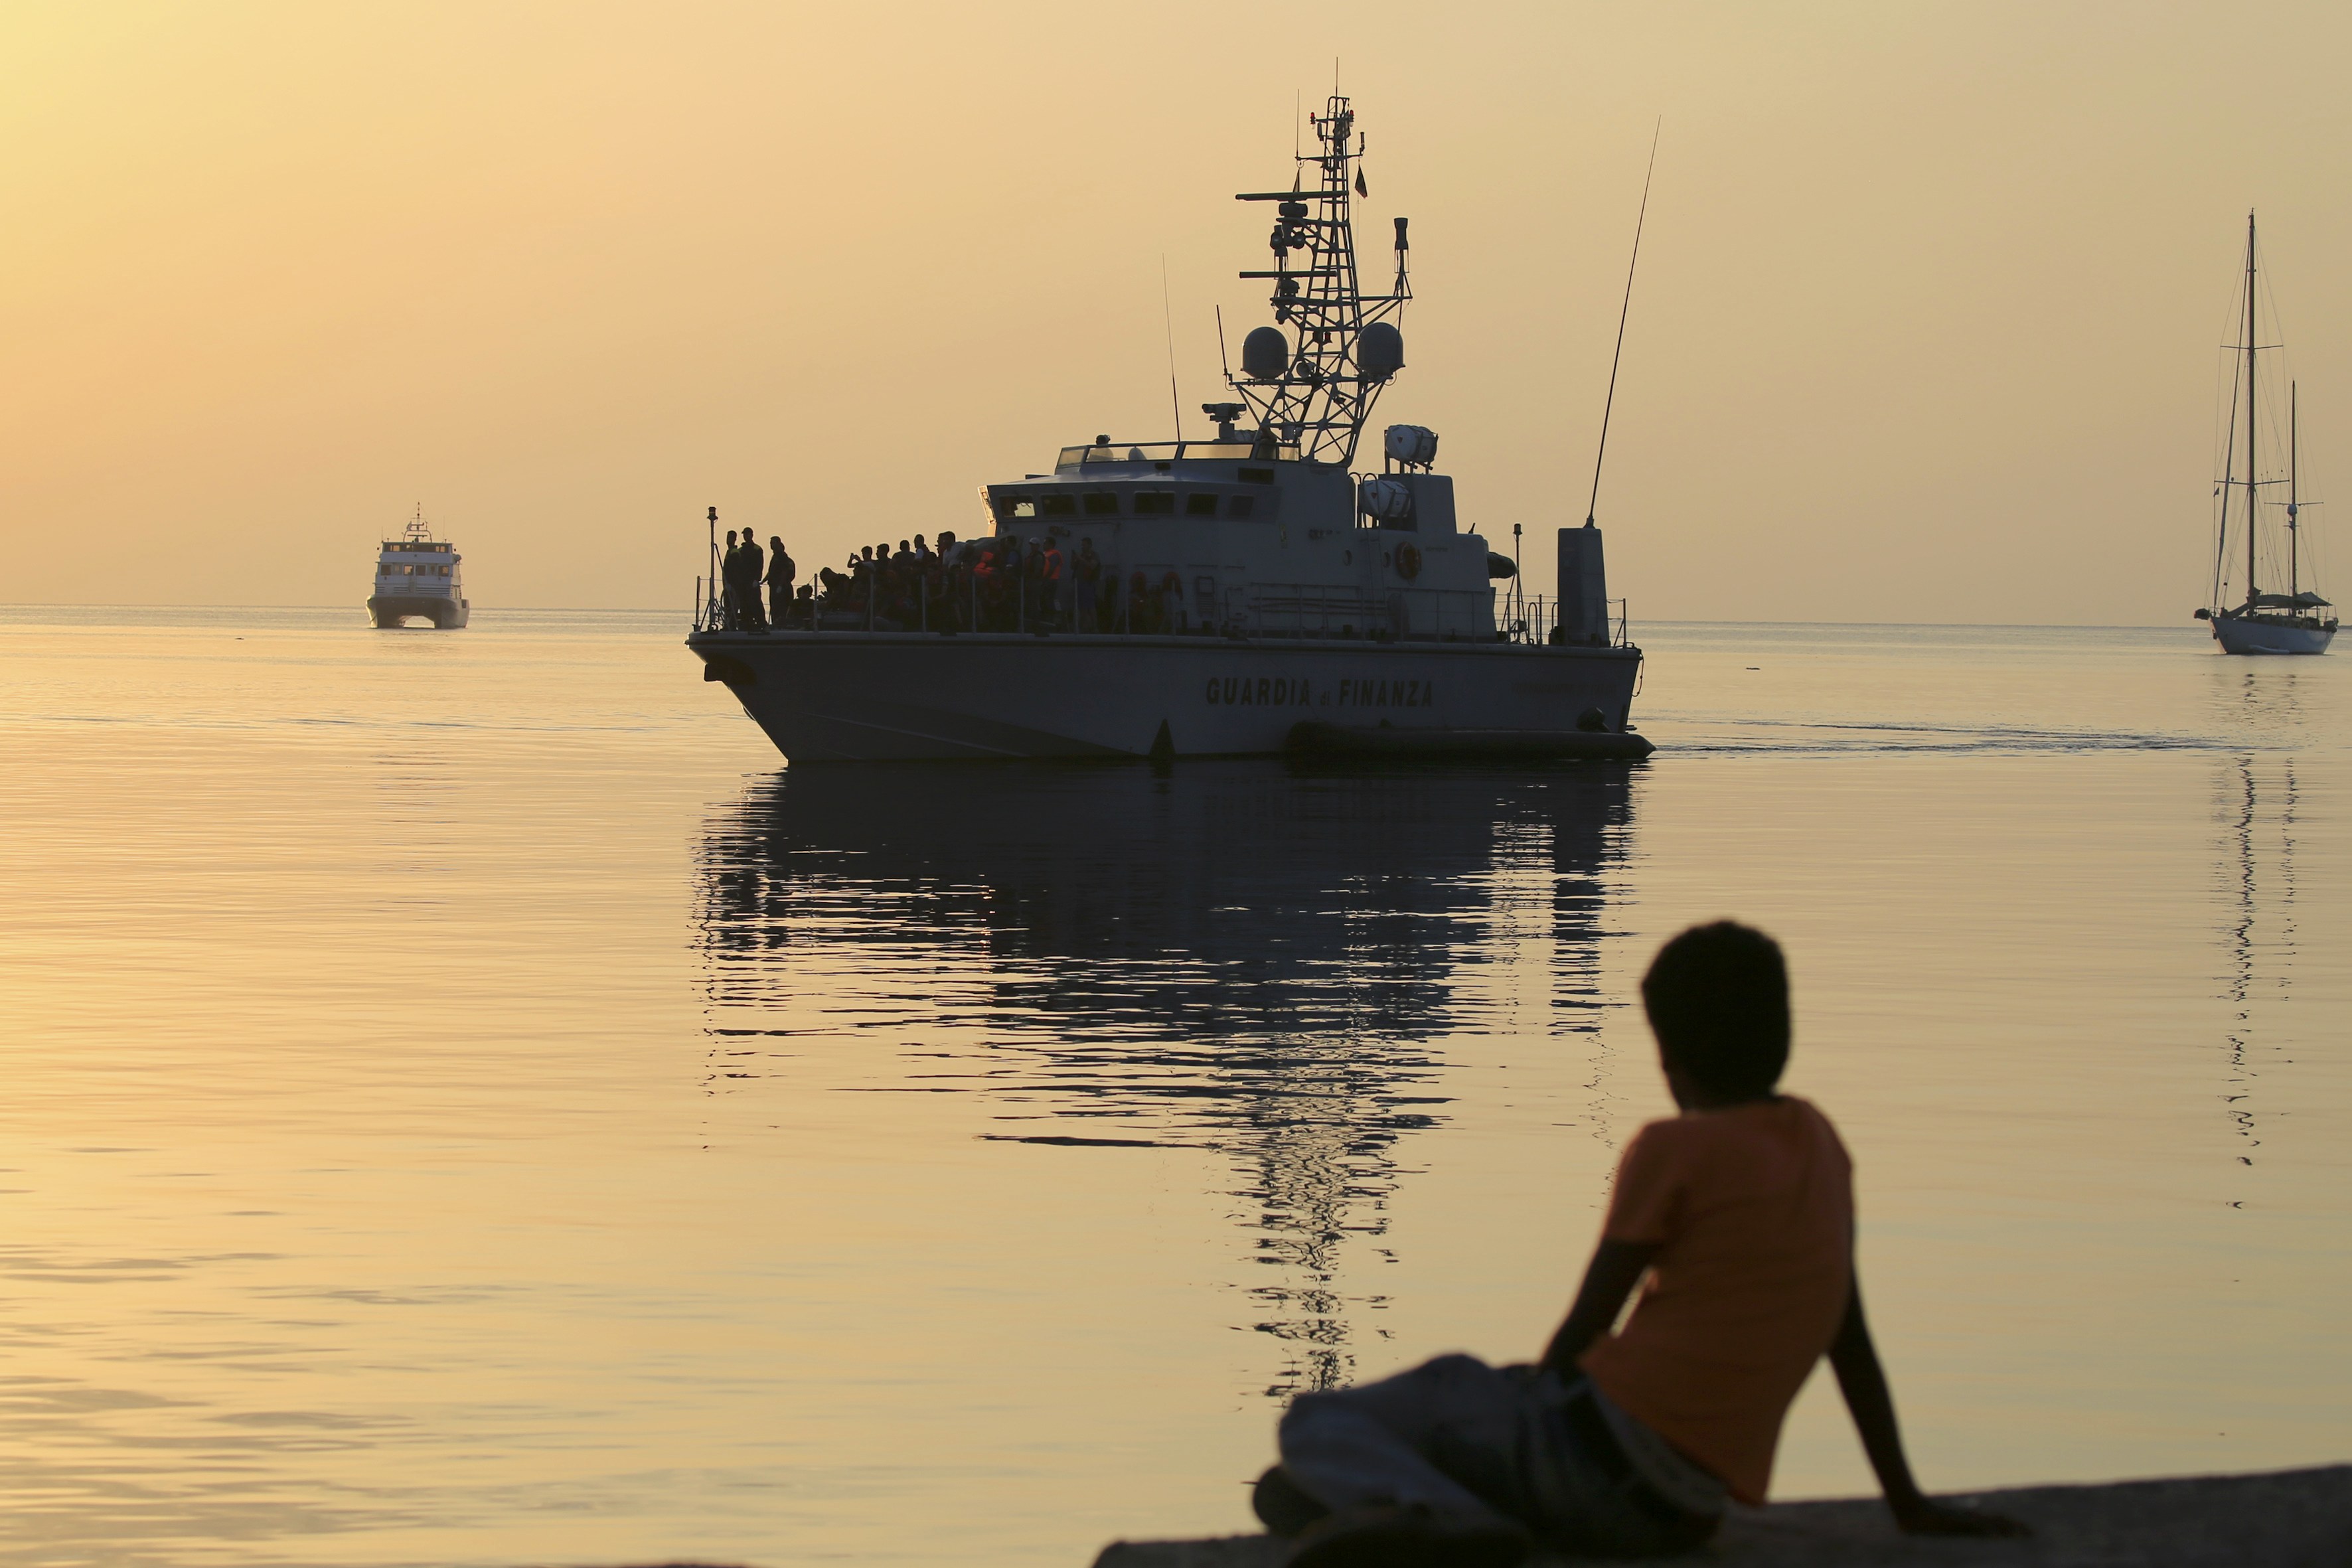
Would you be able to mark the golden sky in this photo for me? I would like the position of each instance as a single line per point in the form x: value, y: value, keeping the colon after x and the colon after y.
x: 1925, y: 328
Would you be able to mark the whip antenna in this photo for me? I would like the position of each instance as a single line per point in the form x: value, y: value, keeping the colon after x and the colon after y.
x: 1622, y: 311
x: 1168, y: 325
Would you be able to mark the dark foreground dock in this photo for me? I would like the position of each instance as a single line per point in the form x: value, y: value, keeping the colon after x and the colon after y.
x: 2286, y: 1518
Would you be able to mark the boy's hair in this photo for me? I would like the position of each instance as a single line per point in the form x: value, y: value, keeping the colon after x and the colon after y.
x: 1717, y: 996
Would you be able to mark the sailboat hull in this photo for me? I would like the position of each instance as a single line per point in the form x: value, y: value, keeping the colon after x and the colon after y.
x: 2251, y: 635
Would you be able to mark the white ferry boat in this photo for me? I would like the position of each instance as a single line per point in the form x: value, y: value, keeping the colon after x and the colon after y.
x: 1246, y: 595
x: 417, y: 574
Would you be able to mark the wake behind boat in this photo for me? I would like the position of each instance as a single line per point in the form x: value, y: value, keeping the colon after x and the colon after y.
x: 2296, y: 619
x: 1237, y: 595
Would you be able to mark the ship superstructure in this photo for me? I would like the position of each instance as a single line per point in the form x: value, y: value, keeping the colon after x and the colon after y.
x: 1233, y: 595
x: 418, y: 576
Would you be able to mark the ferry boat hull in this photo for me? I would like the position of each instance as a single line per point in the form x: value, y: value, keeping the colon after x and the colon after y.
x: 2255, y: 634
x: 825, y: 697
x: 388, y: 611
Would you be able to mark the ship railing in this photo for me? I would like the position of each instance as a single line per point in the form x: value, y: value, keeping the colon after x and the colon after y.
x: 1339, y: 610
x: 1317, y: 610
x: 1449, y: 615
x: 1314, y: 610
x: 1533, y: 617
x: 709, y: 606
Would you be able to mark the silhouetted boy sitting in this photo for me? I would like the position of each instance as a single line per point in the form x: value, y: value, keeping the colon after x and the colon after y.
x: 1740, y: 1211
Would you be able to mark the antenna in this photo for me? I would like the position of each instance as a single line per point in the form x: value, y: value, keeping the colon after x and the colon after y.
x: 1226, y: 364
x: 1168, y: 325
x: 1622, y: 312
x: 1313, y: 387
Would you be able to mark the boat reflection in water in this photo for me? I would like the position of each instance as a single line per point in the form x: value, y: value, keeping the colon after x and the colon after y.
x: 1236, y: 956
x: 2257, y: 804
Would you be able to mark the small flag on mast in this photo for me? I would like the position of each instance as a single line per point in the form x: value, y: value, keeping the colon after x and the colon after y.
x: 1360, y: 185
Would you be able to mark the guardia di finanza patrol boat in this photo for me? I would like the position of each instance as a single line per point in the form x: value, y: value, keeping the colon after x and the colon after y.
x: 1244, y: 595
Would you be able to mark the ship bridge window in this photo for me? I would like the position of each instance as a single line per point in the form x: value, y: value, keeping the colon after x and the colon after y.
x: 1256, y: 476
x: 1155, y: 503
x: 1020, y: 506
x: 1240, y: 506
x: 1059, y: 506
x: 1200, y: 503
x: 1102, y: 503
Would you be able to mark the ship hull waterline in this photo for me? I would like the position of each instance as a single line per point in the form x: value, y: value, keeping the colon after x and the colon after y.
x: 910, y: 697
x: 391, y: 611
x: 2239, y: 634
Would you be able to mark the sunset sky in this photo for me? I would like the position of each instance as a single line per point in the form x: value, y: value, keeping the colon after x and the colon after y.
x: 1927, y: 324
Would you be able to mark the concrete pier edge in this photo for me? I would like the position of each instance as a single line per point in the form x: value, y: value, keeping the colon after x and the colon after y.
x: 2279, y: 1518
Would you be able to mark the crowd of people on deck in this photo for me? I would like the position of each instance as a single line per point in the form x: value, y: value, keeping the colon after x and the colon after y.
x: 1004, y: 584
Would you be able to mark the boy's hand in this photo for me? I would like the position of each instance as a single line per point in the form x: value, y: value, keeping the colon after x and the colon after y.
x: 1917, y: 1516
x: 1864, y: 1383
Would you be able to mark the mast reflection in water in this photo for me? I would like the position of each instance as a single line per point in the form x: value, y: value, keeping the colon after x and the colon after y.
x: 2258, y: 804
x: 1235, y: 956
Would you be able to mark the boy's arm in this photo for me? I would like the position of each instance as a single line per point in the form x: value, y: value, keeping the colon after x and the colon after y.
x: 1616, y: 1267
x: 1864, y: 1383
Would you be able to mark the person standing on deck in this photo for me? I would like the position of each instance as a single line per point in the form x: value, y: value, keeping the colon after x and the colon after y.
x: 731, y: 576
x: 1049, y: 607
x: 1088, y: 569
x: 780, y: 573
x: 749, y: 560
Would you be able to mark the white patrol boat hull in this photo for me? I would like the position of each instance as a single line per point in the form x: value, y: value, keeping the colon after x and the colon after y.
x: 888, y: 696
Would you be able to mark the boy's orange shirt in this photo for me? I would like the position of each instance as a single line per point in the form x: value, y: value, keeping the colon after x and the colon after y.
x: 1753, y: 1210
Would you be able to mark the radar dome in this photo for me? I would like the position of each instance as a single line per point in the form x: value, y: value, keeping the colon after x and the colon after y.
x: 1380, y: 352
x: 1266, y: 354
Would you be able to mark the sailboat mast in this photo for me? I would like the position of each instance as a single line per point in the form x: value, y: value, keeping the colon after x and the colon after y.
x: 2253, y: 470
x: 2294, y: 468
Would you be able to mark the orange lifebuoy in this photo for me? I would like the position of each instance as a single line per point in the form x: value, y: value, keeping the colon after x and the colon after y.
x: 1408, y: 562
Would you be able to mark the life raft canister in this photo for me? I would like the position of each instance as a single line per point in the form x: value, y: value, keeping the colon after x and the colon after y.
x: 1408, y: 562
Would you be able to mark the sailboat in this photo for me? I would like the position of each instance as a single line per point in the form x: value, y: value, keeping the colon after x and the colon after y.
x: 2267, y: 621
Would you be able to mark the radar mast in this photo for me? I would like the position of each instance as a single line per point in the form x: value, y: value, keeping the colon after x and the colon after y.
x: 1318, y: 394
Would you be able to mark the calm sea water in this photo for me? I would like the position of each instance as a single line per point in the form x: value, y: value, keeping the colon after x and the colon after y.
x: 467, y: 1103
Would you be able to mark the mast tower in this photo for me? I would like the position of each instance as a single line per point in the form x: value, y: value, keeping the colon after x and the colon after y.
x: 1317, y: 394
